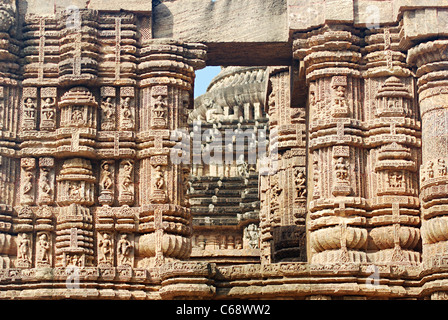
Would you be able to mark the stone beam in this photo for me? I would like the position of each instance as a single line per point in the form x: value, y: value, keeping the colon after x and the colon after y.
x: 236, y: 32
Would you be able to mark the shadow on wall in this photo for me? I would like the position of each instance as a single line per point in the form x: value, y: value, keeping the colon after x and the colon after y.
x: 289, y: 243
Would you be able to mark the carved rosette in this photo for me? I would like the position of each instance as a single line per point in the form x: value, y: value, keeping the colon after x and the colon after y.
x: 430, y: 59
x: 337, y: 215
x: 167, y: 76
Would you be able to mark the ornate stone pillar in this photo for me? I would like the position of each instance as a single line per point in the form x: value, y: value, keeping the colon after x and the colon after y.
x: 10, y: 118
x: 393, y: 142
x: 283, y: 190
x: 166, y: 86
x: 336, y: 161
x: 430, y: 58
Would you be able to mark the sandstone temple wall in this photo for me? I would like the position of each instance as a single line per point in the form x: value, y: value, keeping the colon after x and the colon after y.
x: 97, y: 201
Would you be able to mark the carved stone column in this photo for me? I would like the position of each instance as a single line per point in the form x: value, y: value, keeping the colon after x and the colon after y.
x: 283, y: 223
x: 166, y: 88
x: 432, y: 72
x: 10, y: 168
x: 393, y: 142
x: 336, y: 161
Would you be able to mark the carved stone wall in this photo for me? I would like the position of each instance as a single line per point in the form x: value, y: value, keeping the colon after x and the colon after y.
x: 349, y: 202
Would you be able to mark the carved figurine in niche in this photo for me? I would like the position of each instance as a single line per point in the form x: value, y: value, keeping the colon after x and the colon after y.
x: 108, y: 112
x: 300, y: 180
x: 159, y: 181
x: 75, y: 191
x: 393, y: 102
x: 339, y: 104
x: 105, y: 249
x: 44, y: 183
x: 127, y: 118
x: 107, y: 181
x: 48, y: 108
x: 29, y: 109
x: 126, y: 183
x: 28, y: 183
x: 74, y: 260
x: 276, y: 192
x: 186, y: 186
x: 441, y: 167
x: 23, y: 253
x: 341, y: 171
x: 159, y: 106
x: 77, y: 116
x: 395, y: 179
x: 124, y: 250
x: 312, y: 103
x: 27, y: 180
x: 43, y: 249
x: 158, y: 185
x: 251, y: 235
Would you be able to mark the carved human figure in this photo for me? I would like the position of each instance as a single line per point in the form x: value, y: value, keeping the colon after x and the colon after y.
x: 441, y: 167
x: 339, y: 96
x: 159, y: 181
x: 339, y: 104
x: 48, y: 111
x: 77, y: 115
x: 126, y: 113
x: 392, y: 102
x: 276, y: 191
x: 43, y: 249
x: 124, y: 249
x: 106, y: 177
x: 108, y: 109
x: 251, y: 234
x: 159, y: 106
x: 29, y: 109
x: 106, y: 250
x: 44, y: 182
x: 24, y: 247
x: 395, y: 179
x: 108, y: 114
x: 126, y: 182
x: 74, y: 191
x: 28, y: 182
x: 300, y: 180
x: 341, y: 170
